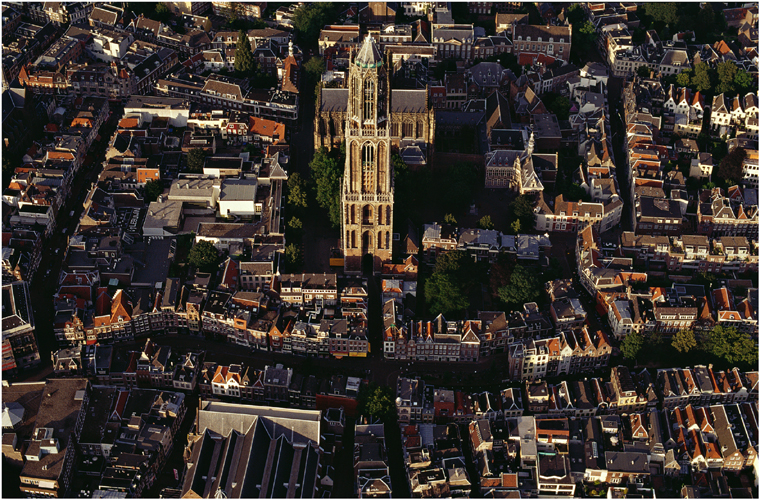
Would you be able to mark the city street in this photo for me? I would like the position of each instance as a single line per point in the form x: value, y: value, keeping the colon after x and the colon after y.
x: 44, y: 284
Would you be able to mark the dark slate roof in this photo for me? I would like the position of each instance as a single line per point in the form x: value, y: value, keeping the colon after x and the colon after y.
x: 402, y: 101
x: 408, y: 101
x: 334, y: 100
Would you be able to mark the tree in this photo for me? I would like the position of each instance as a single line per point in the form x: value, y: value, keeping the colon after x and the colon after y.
x: 523, y: 287
x: 459, y: 184
x: 153, y: 189
x: 295, y: 223
x: 703, y: 78
x: 639, y: 36
x: 195, y: 159
x: 310, y: 18
x: 378, y: 402
x: 730, y: 167
x: 683, y: 79
x: 245, y: 65
x: 576, y: 14
x: 313, y: 69
x: 522, y: 208
x: 574, y: 192
x: 443, y: 294
x: 557, y: 104
x: 732, y: 346
x: 485, y: 222
x: 204, y: 256
x: 643, y: 71
x: 297, y: 191
x: 327, y: 171
x: 684, y: 340
x: 744, y: 81
x: 515, y: 226
x: 705, y: 22
x: 9, y: 167
x: 726, y: 77
x: 293, y: 257
x: 162, y: 13
x: 631, y: 345
x: 449, y: 219
x: 664, y: 12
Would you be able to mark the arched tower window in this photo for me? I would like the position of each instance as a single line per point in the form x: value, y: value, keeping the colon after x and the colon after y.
x: 357, y: 93
x: 420, y: 129
x: 369, y: 100
x: 368, y: 162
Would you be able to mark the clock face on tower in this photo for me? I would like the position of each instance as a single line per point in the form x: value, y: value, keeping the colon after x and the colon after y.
x: 367, y: 188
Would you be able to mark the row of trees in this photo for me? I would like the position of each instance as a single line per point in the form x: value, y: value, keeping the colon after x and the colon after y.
x: 326, y: 174
x: 668, y: 18
x: 725, y: 344
x: 725, y: 78
x: 456, y: 276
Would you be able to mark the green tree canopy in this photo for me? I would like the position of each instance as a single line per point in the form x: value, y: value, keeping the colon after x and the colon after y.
x: 453, y: 276
x: 315, y: 67
x: 297, y: 191
x: 378, y: 401
x: 730, y: 167
x: 204, y: 256
x: 683, y: 79
x: 444, y: 295
x: 162, y: 13
x: 643, y: 71
x: 727, y: 72
x: 153, y: 189
x: 664, y: 12
x: 485, y: 222
x: 523, y: 287
x: 459, y: 184
x: 195, y: 159
x: 245, y: 65
x: 327, y: 172
x: 704, y: 78
x: 293, y: 257
x: 313, y: 70
x: 295, y: 223
x: 733, y: 346
x: 522, y: 209
x: 632, y: 345
x: 310, y: 18
x: 744, y: 82
x: 515, y: 226
x: 557, y: 104
x: 449, y: 219
x: 684, y: 340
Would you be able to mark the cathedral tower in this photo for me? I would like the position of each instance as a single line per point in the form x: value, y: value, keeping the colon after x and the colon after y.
x: 367, y: 189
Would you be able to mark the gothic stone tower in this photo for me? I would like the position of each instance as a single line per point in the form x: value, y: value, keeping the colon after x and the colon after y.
x: 367, y: 189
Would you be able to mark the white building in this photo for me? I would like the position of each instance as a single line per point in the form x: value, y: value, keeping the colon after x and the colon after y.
x: 238, y: 197
x: 417, y: 9
x: 175, y: 109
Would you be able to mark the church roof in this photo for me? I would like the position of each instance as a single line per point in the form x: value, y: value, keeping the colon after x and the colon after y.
x: 402, y: 100
x: 369, y: 55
